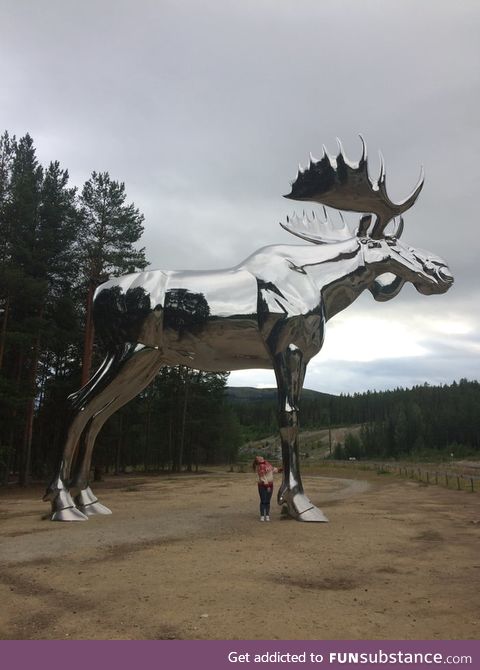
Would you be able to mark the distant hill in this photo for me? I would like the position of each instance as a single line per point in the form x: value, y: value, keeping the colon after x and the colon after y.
x: 251, y: 394
x: 425, y: 420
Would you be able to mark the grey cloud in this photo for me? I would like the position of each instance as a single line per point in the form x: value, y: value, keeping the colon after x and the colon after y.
x: 392, y: 373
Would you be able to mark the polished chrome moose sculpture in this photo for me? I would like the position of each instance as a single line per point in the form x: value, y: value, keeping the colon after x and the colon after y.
x: 268, y: 312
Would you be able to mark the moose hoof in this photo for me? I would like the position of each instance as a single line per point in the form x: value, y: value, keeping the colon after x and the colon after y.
x: 68, y: 514
x: 64, y: 509
x: 88, y: 503
x: 95, y: 508
x: 313, y: 514
x: 299, y: 507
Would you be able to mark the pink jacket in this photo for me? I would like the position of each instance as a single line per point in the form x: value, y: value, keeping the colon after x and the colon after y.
x: 265, y: 472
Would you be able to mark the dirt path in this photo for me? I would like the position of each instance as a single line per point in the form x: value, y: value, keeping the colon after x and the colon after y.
x: 185, y: 557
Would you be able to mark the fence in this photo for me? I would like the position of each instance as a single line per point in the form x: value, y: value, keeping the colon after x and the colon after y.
x: 451, y: 480
x: 445, y: 478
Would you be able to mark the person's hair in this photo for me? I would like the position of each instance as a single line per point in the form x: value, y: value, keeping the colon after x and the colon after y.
x: 254, y: 464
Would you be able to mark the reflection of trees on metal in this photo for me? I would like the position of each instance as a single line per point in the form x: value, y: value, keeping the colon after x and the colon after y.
x: 184, y: 310
x: 268, y: 312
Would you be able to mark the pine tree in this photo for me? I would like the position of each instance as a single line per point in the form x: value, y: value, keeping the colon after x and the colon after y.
x: 110, y: 230
x: 26, y: 290
x: 7, y: 153
x: 37, y: 219
x: 57, y: 262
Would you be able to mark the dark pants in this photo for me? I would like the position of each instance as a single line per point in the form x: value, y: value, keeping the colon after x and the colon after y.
x: 265, y: 497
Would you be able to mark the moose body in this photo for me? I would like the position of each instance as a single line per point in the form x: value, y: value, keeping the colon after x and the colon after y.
x: 268, y: 312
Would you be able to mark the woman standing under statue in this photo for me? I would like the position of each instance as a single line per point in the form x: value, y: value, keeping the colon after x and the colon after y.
x: 264, y: 471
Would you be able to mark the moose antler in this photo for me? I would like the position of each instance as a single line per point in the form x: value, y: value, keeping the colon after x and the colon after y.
x: 339, y: 183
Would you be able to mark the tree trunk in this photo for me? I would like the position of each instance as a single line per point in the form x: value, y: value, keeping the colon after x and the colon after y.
x: 24, y: 475
x: 26, y: 460
x: 3, y: 335
x: 89, y: 336
x: 146, y: 448
x: 9, y: 457
x: 119, y: 449
x: 184, y: 422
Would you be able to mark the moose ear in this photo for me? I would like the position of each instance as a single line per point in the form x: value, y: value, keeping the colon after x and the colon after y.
x: 364, y: 225
x: 395, y: 228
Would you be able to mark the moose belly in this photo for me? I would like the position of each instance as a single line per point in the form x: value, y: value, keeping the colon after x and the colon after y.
x: 210, y: 321
x: 218, y: 345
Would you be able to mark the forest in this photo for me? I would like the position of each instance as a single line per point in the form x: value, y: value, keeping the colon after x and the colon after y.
x: 58, y: 243
x: 423, y: 422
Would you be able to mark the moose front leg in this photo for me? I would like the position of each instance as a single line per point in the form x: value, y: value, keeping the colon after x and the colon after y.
x: 290, y: 372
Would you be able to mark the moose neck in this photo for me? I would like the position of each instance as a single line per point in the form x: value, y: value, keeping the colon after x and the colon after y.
x: 341, y: 275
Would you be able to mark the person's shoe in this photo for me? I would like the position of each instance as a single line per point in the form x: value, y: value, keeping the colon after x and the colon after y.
x: 267, y: 518
x: 262, y: 518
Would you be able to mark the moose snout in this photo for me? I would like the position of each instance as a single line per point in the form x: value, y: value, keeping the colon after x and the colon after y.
x: 443, y: 279
x: 438, y: 279
x: 445, y: 275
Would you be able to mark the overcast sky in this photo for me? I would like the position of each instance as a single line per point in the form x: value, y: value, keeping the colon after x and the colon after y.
x: 205, y: 109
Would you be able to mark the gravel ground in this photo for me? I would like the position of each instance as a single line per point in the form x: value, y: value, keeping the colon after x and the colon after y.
x: 185, y: 557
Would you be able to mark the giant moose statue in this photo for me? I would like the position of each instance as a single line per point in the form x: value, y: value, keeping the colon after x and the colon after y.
x: 268, y: 312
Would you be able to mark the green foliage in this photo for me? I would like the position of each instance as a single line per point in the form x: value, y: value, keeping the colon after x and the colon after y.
x: 425, y: 420
x: 417, y: 422
x: 55, y: 245
x: 50, y: 240
x: 180, y: 422
x: 109, y: 230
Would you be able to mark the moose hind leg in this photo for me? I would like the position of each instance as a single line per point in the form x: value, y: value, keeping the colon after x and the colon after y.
x: 85, y: 500
x: 85, y: 403
x: 58, y: 493
x: 63, y: 506
x: 137, y: 372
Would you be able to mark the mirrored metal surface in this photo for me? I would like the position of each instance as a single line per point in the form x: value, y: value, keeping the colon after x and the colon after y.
x: 268, y: 312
